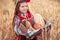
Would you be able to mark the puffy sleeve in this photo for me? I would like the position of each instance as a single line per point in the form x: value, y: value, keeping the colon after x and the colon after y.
x: 16, y: 24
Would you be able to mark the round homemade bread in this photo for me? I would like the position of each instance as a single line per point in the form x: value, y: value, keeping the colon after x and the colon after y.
x: 39, y: 22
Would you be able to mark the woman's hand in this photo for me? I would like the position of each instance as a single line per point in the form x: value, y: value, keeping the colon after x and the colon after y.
x: 31, y: 28
x: 27, y: 36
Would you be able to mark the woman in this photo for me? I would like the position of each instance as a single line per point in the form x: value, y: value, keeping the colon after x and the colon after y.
x: 22, y: 14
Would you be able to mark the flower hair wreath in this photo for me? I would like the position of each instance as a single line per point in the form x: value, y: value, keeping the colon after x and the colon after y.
x: 26, y: 0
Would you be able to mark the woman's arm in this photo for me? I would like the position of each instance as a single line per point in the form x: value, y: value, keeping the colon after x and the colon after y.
x: 16, y: 23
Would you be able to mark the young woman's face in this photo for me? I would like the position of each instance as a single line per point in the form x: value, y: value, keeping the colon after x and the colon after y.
x: 23, y: 7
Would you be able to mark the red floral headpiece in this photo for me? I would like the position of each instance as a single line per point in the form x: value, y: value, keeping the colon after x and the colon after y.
x: 27, y: 0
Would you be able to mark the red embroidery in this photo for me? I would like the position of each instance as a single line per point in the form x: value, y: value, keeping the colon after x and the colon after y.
x: 29, y: 15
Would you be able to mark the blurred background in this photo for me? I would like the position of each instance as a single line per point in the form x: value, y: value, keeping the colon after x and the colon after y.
x: 46, y: 8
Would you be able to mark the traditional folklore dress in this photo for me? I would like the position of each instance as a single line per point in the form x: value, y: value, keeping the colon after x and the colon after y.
x: 19, y: 19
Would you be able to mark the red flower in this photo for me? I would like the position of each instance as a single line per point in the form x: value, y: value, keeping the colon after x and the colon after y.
x: 27, y: 0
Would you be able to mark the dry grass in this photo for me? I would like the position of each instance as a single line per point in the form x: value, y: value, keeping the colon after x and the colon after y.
x: 47, y: 8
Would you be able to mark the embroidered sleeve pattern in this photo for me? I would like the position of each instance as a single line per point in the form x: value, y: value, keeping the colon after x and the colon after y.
x: 16, y: 24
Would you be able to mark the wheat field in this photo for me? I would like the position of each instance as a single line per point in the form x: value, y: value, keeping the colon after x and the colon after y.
x: 46, y: 8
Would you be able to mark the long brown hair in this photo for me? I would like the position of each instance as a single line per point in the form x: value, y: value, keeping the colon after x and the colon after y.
x: 17, y: 11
